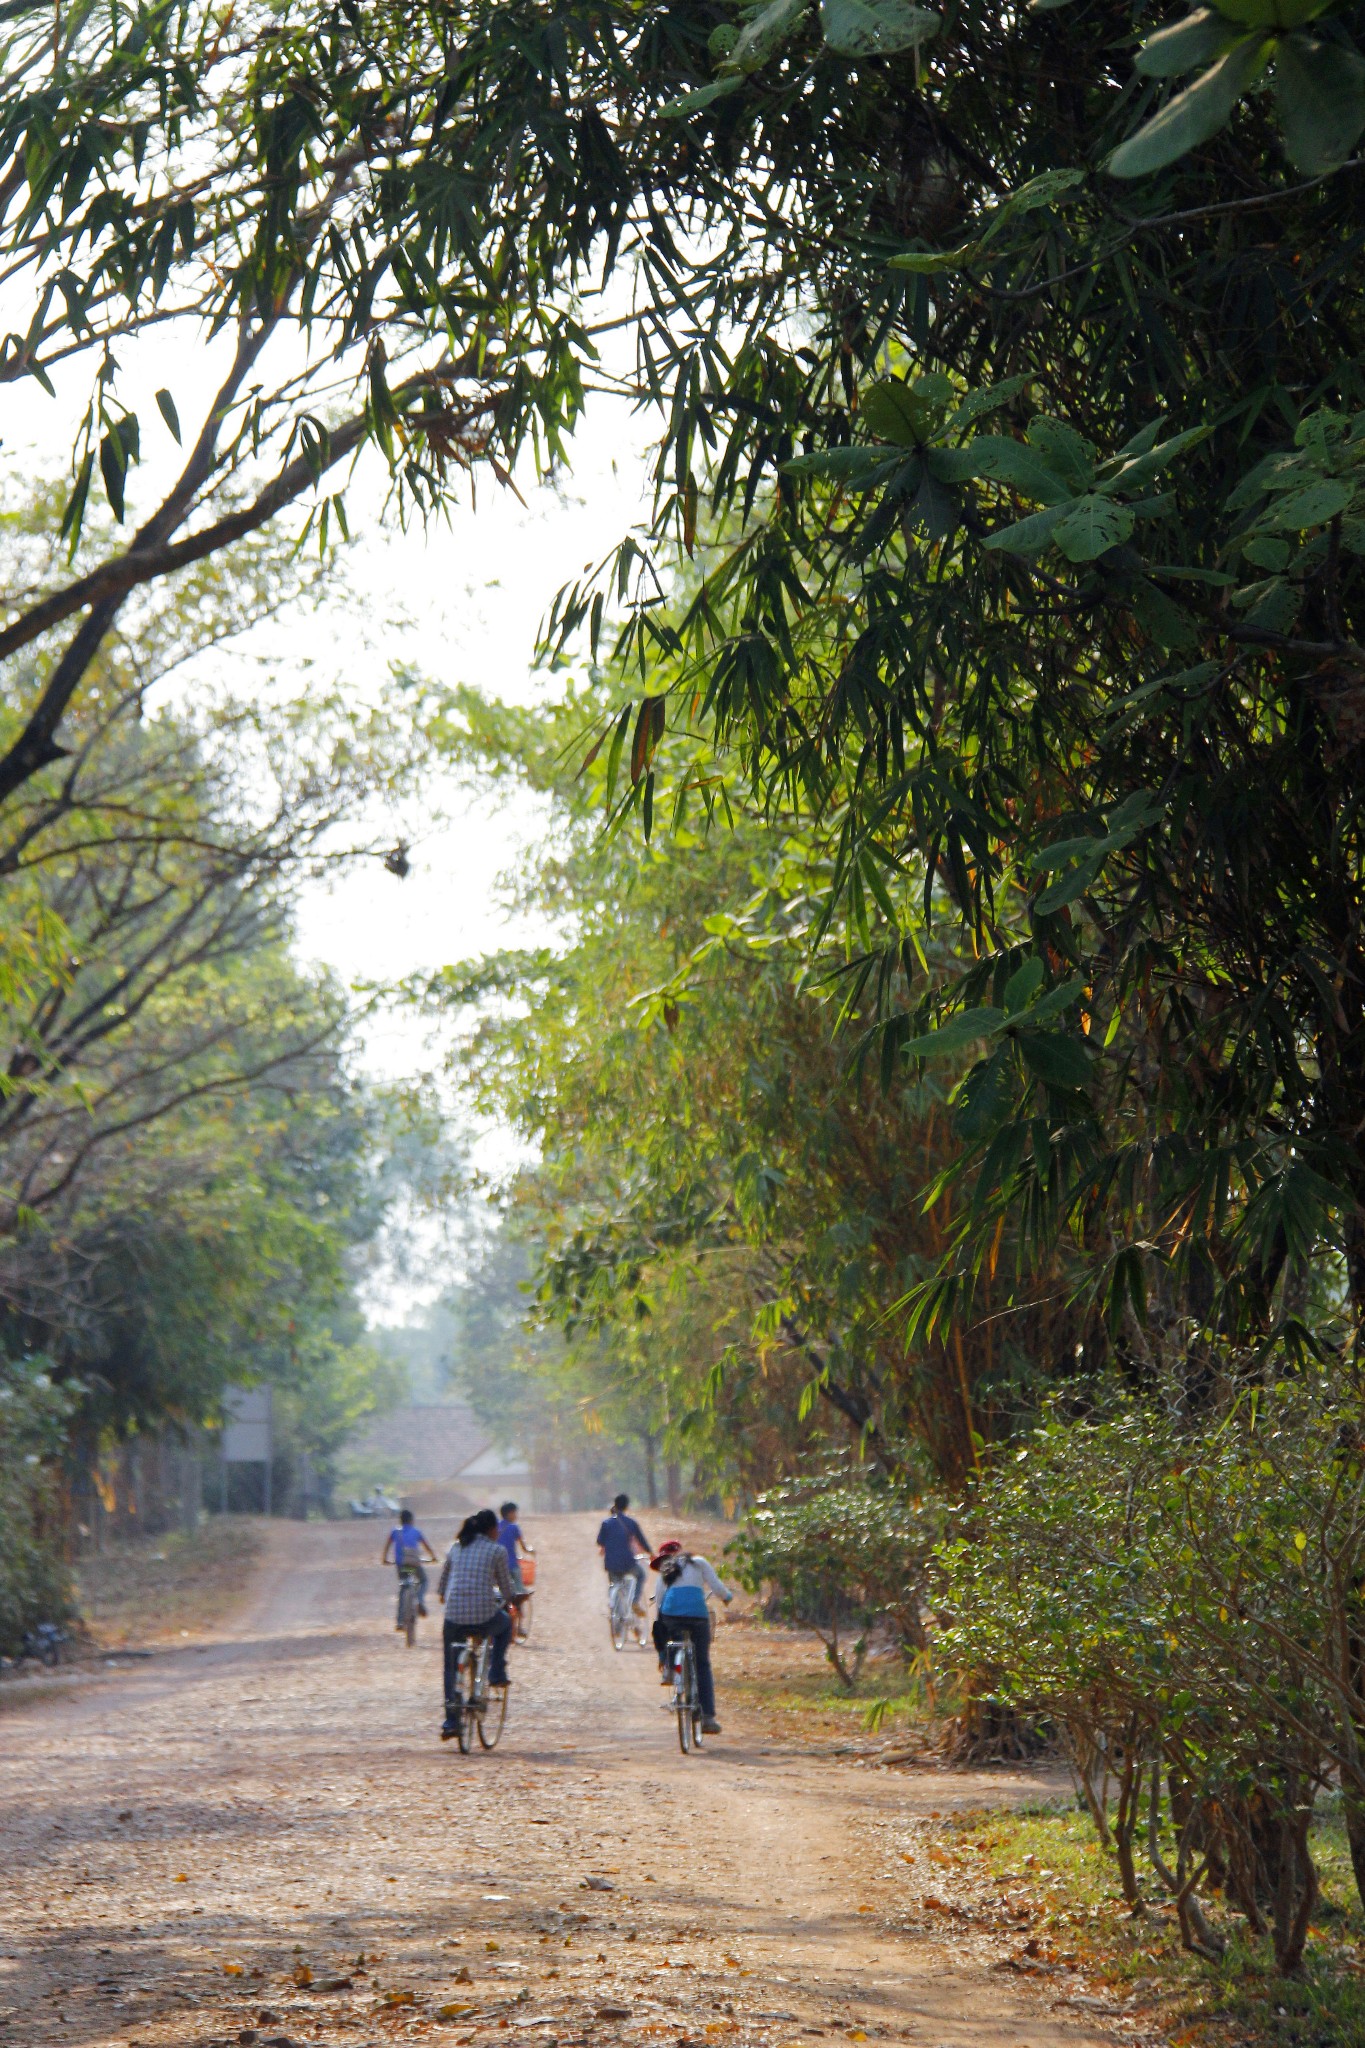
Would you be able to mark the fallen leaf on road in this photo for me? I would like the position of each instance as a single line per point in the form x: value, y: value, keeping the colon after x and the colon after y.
x: 598, y: 1884
x: 392, y: 1998
x: 453, y: 2012
x: 613, y: 2012
x: 462, y: 1975
x: 301, y: 1975
x: 934, y: 1905
x: 232, y: 1970
x: 334, y: 1984
x: 181, y: 1878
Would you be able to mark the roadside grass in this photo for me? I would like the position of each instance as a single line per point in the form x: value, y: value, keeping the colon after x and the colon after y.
x: 1062, y: 1876
x: 155, y: 1588
x: 782, y: 1673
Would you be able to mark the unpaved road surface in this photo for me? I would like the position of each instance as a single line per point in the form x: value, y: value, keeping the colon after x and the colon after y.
x: 261, y: 1841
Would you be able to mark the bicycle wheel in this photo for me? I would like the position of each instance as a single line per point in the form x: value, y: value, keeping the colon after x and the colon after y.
x: 492, y: 1716
x: 682, y: 1693
x: 526, y: 1607
x: 464, y: 1693
x: 407, y: 1612
x: 620, y: 1615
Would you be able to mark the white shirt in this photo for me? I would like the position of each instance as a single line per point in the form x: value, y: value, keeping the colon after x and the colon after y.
x: 698, y: 1572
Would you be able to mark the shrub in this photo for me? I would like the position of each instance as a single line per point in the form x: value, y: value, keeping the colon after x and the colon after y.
x: 842, y: 1553
x: 1186, y: 1605
x: 34, y: 1582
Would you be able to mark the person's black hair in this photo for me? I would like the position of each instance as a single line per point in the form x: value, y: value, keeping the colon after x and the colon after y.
x: 470, y: 1527
x: 405, y: 1515
x: 620, y: 1504
x: 508, y: 1509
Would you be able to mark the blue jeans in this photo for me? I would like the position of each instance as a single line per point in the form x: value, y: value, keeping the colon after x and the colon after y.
x: 498, y: 1628
x: 671, y: 1628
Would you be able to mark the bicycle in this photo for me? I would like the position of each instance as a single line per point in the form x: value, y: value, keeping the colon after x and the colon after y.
x: 528, y: 1579
x: 621, y: 1609
x: 686, y: 1700
x: 409, y: 1601
x: 477, y: 1707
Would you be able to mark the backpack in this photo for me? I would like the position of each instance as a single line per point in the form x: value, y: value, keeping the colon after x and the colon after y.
x: 672, y: 1566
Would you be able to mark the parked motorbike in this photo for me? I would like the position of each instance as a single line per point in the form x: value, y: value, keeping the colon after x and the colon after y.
x: 376, y: 1503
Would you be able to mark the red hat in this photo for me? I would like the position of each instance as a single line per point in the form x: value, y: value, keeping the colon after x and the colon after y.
x: 669, y: 1549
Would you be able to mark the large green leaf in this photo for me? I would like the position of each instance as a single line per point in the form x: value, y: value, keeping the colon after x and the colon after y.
x: 1184, y: 45
x: 954, y: 1037
x: 704, y: 96
x: 1060, y: 1062
x: 1000, y: 459
x: 876, y: 28
x: 931, y: 262
x: 1063, y: 450
x: 1320, y: 94
x: 1093, y: 526
x: 1026, y: 536
x: 860, y: 468
x: 1195, y: 114
x: 765, y: 32
x: 895, y: 411
x: 1313, y: 506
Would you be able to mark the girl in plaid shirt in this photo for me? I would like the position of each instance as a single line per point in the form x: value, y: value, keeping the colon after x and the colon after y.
x: 477, y: 1587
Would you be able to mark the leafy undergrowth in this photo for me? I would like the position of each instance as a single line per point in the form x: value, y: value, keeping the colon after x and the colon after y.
x: 156, y: 1588
x: 1055, y: 1891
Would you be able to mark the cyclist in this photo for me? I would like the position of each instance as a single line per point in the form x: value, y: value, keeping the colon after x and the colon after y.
x: 510, y: 1536
x: 406, y: 1544
x: 514, y: 1543
x: 477, y: 1586
x: 684, y: 1583
x: 624, y: 1545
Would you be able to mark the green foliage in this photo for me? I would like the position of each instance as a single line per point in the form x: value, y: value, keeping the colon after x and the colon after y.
x: 842, y: 1555
x: 1183, y: 1598
x: 34, y: 1581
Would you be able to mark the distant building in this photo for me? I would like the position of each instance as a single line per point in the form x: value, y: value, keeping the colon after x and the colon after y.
x: 442, y: 1456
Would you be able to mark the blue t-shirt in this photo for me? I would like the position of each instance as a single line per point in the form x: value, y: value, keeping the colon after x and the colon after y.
x: 509, y: 1535
x: 407, y: 1537
x: 614, y: 1537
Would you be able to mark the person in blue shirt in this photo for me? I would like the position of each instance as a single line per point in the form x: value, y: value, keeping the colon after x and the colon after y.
x: 514, y: 1543
x: 406, y: 1544
x: 685, y: 1581
x: 510, y: 1537
x: 624, y: 1547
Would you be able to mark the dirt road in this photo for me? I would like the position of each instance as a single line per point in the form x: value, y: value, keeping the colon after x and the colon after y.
x: 261, y: 1841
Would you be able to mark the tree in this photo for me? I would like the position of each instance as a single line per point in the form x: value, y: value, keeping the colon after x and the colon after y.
x: 363, y: 210
x: 726, y: 1218
x: 1044, y: 596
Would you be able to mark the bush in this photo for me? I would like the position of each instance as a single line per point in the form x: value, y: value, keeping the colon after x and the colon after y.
x: 1186, y: 1605
x: 842, y: 1554
x: 34, y: 1582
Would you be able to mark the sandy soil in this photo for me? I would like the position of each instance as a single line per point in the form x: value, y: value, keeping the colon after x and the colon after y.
x: 260, y: 1841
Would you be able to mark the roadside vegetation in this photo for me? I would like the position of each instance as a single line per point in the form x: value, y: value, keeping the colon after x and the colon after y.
x: 941, y: 1108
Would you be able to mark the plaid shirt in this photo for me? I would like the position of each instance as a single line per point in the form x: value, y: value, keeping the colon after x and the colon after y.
x: 478, y: 1583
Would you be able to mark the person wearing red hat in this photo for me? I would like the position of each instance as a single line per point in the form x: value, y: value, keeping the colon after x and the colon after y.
x: 685, y: 1580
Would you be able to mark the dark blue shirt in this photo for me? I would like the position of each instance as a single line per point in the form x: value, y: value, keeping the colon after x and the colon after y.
x: 614, y: 1537
x: 509, y: 1536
